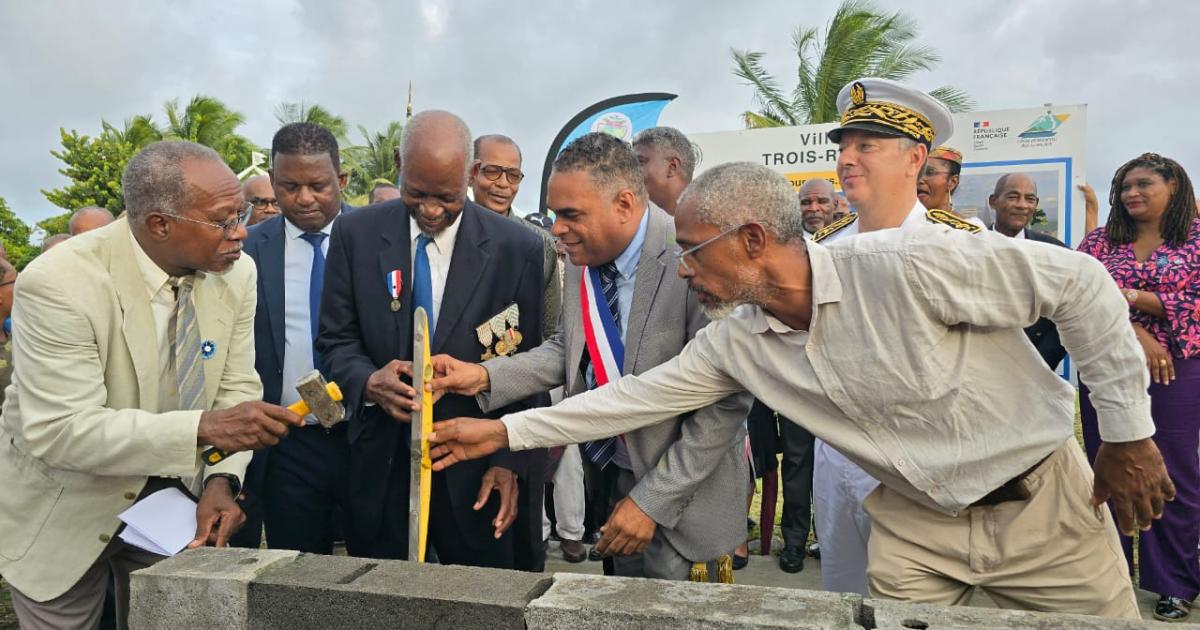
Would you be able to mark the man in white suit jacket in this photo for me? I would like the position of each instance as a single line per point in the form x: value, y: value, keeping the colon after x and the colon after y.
x: 98, y: 415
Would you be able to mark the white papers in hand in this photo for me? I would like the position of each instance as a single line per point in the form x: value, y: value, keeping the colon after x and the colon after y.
x: 162, y: 523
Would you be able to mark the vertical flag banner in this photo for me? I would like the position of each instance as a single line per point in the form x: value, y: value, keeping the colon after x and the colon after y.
x: 619, y: 116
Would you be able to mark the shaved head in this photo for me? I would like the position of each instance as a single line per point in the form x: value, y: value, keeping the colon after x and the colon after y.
x: 817, y: 185
x: 436, y: 156
x: 87, y: 219
x: 439, y: 136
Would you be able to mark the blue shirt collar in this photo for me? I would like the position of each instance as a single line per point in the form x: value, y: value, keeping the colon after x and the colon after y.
x: 627, y: 262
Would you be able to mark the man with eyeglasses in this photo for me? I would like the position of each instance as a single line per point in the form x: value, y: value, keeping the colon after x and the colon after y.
x: 901, y: 350
x: 135, y: 352
x: 297, y: 486
x: 677, y: 496
x: 261, y: 197
x: 495, y: 179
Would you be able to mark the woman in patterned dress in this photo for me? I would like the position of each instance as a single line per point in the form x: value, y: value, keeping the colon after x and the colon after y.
x: 1151, y: 247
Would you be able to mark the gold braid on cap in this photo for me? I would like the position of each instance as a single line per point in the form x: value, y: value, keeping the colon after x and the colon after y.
x: 902, y: 119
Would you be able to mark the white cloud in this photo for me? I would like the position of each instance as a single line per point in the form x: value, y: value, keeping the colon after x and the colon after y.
x: 524, y: 69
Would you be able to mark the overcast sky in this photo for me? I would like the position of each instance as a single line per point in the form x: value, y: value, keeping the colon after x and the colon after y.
x: 524, y: 68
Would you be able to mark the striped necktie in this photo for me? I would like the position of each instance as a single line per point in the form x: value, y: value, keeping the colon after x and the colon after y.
x: 601, y: 452
x: 189, y: 370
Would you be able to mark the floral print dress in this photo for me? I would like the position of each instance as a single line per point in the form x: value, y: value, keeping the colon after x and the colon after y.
x: 1171, y: 273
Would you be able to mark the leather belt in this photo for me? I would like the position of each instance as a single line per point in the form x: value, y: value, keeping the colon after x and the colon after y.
x: 1012, y: 490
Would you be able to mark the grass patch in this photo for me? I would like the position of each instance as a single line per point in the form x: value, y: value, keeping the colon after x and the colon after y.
x: 8, y: 618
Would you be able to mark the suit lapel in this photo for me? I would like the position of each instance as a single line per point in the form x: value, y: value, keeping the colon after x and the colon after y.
x: 270, y: 270
x: 573, y: 325
x: 467, y: 262
x: 396, y: 254
x: 650, y: 272
x: 137, y: 322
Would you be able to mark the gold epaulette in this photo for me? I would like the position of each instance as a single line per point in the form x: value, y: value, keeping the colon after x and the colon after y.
x: 948, y: 218
x: 835, y: 227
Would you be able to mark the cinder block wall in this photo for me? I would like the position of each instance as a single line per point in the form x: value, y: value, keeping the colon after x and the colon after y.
x: 260, y: 590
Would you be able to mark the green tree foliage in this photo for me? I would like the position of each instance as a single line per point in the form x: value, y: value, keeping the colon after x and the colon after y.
x: 94, y: 166
x: 287, y: 113
x: 860, y: 41
x: 374, y: 161
x: 14, y: 233
x: 208, y: 121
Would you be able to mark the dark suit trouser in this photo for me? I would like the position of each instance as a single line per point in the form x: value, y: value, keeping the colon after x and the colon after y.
x: 445, y: 539
x: 529, y: 552
x: 304, y: 489
x: 797, y: 478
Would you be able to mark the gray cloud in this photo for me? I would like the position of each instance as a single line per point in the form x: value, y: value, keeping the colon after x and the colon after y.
x: 523, y: 71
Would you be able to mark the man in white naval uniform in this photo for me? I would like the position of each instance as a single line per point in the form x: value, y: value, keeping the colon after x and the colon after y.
x: 839, y: 485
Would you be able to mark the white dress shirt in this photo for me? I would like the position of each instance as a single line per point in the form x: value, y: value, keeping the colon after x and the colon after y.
x: 162, y: 308
x: 915, y: 365
x: 440, y: 250
x: 297, y: 325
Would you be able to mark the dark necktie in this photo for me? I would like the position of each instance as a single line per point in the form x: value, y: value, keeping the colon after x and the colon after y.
x: 316, y: 280
x: 601, y: 452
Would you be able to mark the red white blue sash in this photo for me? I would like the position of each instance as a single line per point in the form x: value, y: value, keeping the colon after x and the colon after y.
x: 599, y: 329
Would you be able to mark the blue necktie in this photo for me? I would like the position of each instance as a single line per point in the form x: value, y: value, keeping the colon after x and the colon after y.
x: 423, y: 282
x: 601, y: 452
x: 316, y: 280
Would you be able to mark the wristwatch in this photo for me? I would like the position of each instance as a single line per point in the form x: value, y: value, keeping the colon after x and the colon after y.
x: 1131, y: 295
x: 235, y: 486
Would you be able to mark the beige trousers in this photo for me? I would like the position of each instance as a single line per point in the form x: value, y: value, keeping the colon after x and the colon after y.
x: 1052, y: 552
x: 79, y: 608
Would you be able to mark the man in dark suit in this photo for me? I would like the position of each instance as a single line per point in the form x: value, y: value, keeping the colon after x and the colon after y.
x: 299, y: 484
x: 466, y: 266
x: 1014, y: 201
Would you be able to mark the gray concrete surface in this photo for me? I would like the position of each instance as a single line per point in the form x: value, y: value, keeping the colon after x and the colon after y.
x: 200, y: 588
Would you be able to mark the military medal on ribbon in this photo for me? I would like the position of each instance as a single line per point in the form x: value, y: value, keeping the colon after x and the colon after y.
x: 395, y: 284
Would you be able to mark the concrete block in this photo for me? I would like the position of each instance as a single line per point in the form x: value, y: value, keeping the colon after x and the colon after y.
x: 890, y: 615
x: 199, y: 588
x: 588, y: 602
x: 340, y: 592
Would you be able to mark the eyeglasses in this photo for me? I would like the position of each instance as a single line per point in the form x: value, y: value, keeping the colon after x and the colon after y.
x: 260, y: 203
x: 228, y: 228
x: 493, y: 172
x: 691, y: 251
x: 933, y: 172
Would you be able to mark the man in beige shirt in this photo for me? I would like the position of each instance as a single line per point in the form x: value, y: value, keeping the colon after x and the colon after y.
x: 903, y: 349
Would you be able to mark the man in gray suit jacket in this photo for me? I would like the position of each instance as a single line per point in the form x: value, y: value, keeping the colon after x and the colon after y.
x: 680, y: 488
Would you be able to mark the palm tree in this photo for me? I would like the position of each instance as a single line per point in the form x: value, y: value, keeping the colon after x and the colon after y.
x: 208, y: 121
x: 137, y: 132
x: 287, y: 113
x: 374, y: 161
x: 860, y: 41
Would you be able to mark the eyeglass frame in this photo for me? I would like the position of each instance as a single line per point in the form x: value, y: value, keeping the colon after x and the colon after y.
x: 259, y: 202
x: 925, y: 172
x: 506, y: 171
x: 691, y: 251
x: 228, y: 228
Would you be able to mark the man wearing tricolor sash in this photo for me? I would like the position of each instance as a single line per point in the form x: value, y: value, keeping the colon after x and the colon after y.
x: 679, y: 489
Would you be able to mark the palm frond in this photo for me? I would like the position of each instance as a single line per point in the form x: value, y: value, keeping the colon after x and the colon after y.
x: 954, y: 98
x: 767, y: 94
